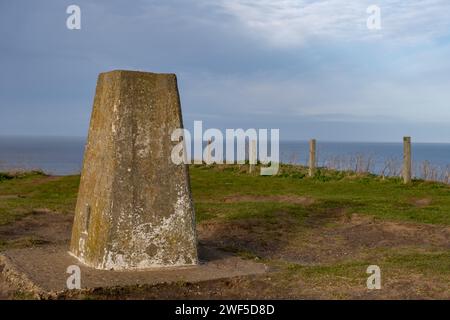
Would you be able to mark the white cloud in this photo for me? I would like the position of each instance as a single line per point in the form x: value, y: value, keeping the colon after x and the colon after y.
x: 294, y: 22
x: 334, y: 97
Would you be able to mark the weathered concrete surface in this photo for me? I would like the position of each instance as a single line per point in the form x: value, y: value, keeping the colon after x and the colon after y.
x: 134, y: 207
x: 41, y: 271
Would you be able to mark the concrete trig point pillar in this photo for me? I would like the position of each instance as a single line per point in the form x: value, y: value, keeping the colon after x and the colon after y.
x: 407, y: 163
x: 312, y: 157
x: 134, y: 207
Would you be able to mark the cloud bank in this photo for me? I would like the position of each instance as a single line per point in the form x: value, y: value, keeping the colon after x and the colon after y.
x: 306, y: 67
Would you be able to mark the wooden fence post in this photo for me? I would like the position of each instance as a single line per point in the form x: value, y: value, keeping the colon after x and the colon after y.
x: 407, y: 163
x: 312, y: 157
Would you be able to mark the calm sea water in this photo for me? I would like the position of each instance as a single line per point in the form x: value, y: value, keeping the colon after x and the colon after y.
x: 58, y: 155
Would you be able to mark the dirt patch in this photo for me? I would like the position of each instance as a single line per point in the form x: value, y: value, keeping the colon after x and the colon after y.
x: 44, y: 179
x: 42, y: 225
x: 421, y: 203
x: 277, y: 286
x: 250, y: 287
x: 302, y: 200
x: 326, y: 237
x: 253, y: 236
x: 322, y: 237
x: 329, y: 236
x: 9, y: 196
x: 351, y: 238
x: 366, y: 232
x: 348, y: 239
x: 317, y: 219
x: 285, y: 238
x: 6, y: 290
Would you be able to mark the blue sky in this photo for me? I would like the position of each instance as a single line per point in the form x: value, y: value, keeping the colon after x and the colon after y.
x: 309, y: 68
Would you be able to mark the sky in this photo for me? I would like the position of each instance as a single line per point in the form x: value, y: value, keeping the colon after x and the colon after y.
x: 309, y: 68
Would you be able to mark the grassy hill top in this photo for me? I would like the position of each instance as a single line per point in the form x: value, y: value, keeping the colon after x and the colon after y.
x: 318, y: 235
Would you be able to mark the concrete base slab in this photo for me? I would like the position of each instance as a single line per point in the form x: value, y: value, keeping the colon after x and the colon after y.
x: 42, y: 271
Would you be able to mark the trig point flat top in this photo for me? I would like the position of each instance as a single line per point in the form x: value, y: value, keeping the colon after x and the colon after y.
x: 134, y: 207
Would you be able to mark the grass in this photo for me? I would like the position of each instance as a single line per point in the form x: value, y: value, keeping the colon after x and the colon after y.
x: 428, y: 262
x: 21, y: 194
x: 425, y: 262
x: 384, y: 199
x: 20, y: 243
x: 24, y: 193
x: 246, y: 210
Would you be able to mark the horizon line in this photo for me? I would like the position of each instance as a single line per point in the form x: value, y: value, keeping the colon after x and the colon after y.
x: 400, y: 141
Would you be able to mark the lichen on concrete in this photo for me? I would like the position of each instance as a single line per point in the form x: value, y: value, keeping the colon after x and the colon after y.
x: 137, y: 201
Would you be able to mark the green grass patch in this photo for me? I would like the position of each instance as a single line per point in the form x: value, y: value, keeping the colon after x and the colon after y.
x: 28, y: 192
x: 367, y: 194
x: 388, y: 198
x: 391, y: 263
x: 433, y: 263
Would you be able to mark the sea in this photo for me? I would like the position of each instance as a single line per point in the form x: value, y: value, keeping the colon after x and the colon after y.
x: 64, y: 155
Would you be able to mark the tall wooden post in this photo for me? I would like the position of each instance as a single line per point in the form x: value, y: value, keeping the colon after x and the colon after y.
x: 252, y: 155
x: 312, y: 157
x: 407, y: 163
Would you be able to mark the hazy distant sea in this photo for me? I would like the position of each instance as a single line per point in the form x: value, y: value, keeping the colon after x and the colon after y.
x: 64, y: 155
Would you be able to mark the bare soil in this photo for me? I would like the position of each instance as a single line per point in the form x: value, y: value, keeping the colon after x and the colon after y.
x: 41, y: 226
x: 421, y: 202
x: 323, y: 238
x: 318, y: 242
x: 271, y: 198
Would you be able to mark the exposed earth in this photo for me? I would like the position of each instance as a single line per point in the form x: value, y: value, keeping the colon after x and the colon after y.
x: 317, y: 236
